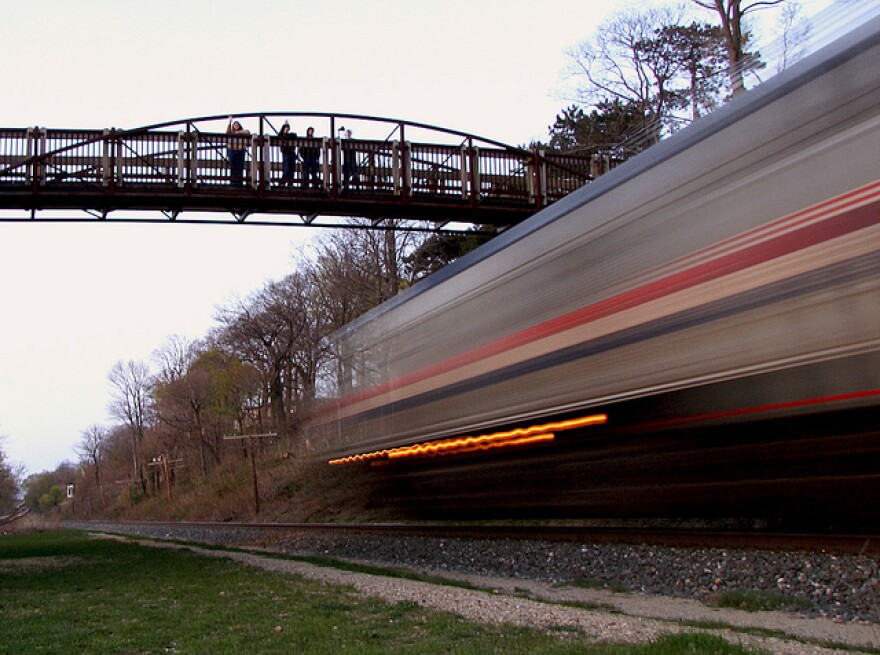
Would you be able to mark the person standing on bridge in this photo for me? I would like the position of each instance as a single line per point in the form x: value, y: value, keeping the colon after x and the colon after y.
x: 311, y: 154
x: 237, y: 146
x: 288, y: 154
x: 349, y: 159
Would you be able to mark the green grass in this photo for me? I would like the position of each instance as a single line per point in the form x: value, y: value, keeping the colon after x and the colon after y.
x: 591, y: 583
x: 101, y: 597
x: 325, y: 562
x: 758, y: 601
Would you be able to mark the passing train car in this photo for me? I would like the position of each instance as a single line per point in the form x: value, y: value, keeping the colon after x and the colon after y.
x: 727, y: 276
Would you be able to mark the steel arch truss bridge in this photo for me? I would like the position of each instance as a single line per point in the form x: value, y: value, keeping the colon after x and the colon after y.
x: 351, y: 166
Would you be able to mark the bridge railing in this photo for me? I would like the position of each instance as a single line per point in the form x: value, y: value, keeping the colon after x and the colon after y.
x: 80, y: 156
x: 437, y: 171
x: 155, y: 158
x: 377, y: 166
x: 190, y: 161
x: 562, y: 174
x: 15, y: 147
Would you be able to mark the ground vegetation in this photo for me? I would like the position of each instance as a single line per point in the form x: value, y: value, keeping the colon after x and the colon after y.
x: 9, y: 483
x: 64, y: 592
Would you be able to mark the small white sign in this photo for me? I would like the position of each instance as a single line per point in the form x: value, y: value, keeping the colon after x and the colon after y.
x: 69, y: 491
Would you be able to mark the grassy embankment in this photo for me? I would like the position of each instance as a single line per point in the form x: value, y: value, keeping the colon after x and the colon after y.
x: 291, y: 490
x: 62, y: 592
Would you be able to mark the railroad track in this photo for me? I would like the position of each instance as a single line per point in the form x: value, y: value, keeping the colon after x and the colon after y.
x: 842, y: 544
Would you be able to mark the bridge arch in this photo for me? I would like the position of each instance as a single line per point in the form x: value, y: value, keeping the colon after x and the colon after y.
x: 389, y: 169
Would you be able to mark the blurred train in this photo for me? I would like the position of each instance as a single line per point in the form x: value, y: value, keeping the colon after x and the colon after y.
x: 722, y: 289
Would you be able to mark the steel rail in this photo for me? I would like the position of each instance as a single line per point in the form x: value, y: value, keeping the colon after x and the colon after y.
x: 844, y: 544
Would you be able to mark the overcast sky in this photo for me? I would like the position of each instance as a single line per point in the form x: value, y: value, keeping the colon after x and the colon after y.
x: 76, y: 298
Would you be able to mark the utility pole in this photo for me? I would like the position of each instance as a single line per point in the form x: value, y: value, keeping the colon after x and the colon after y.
x: 252, y: 439
x: 166, y: 464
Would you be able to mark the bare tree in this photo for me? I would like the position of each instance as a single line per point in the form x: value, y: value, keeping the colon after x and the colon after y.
x: 732, y: 14
x: 181, y: 405
x: 621, y: 63
x: 794, y: 30
x: 130, y: 403
x: 354, y: 270
x: 174, y: 357
x: 351, y: 272
x: 267, y: 330
x: 216, y: 393
x: 90, y: 450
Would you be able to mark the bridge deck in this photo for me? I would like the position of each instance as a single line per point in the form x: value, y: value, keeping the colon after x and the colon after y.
x: 185, y: 170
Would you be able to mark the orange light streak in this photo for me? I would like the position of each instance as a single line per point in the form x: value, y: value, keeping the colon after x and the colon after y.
x: 442, y: 447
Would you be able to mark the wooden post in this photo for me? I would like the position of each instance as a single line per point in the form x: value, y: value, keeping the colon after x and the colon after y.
x: 254, y: 474
x: 166, y: 465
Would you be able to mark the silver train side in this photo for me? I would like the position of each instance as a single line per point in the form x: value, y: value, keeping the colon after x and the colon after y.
x: 730, y: 273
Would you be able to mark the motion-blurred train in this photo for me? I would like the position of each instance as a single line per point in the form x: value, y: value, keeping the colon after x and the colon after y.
x: 697, y: 331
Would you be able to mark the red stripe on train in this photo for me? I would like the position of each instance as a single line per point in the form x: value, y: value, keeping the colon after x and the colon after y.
x: 784, y: 244
x: 745, y: 411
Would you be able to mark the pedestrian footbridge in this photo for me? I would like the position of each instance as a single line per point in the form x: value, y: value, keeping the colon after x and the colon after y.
x: 385, y: 171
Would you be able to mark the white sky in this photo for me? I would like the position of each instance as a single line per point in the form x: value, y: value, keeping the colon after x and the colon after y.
x: 76, y: 298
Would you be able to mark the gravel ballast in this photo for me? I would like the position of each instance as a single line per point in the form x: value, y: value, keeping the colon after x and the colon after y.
x: 842, y: 588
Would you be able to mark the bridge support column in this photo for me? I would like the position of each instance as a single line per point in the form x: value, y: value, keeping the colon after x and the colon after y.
x: 254, y: 168
x: 106, y: 168
x: 181, y: 158
x: 541, y: 177
x: 395, y: 167
x: 464, y: 173
x: 325, y: 147
x: 265, y: 164
x: 31, y: 149
x: 406, y: 165
x: 474, y: 165
x: 193, y: 144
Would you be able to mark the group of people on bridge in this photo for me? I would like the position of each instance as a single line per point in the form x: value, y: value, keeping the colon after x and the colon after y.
x: 309, y: 153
